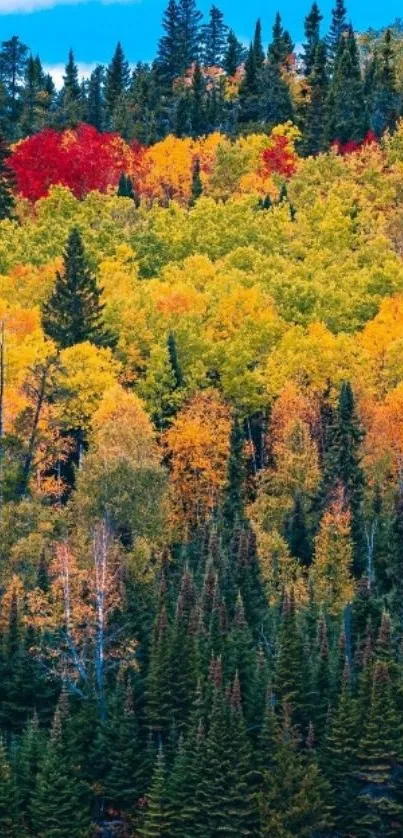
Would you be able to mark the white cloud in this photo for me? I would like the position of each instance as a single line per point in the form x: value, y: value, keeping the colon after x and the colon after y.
x: 23, y: 6
x: 57, y: 71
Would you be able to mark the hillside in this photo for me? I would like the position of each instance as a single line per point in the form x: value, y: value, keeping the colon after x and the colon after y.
x: 201, y: 448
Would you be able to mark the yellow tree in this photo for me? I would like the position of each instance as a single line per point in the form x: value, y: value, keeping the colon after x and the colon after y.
x: 330, y: 574
x: 198, y: 446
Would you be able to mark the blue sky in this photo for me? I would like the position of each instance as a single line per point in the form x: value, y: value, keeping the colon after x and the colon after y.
x: 92, y: 28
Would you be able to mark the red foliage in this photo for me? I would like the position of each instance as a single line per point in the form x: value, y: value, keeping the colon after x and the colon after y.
x: 82, y: 159
x: 353, y: 146
x: 279, y: 157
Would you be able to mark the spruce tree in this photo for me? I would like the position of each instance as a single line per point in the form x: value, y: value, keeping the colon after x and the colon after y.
x: 123, y: 779
x: 95, y: 105
x: 383, y: 98
x: 197, y: 102
x: 233, y: 496
x: 234, y: 54
x: 275, y: 104
x: 10, y: 825
x: 338, y: 27
x: 343, y: 468
x: 297, y: 533
x: 258, y: 46
x: 168, y: 59
x: 155, y: 821
x: 197, y: 185
x: 346, y: 110
x: 116, y: 81
x: 13, y: 60
x: 60, y: 804
x: 314, y: 111
x: 340, y: 756
x: 188, y: 33
x: 214, y: 38
x: 7, y: 183
x: 312, y: 36
x: 71, y: 99
x: 73, y: 314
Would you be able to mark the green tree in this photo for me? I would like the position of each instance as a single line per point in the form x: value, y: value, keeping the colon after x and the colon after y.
x: 9, y: 821
x: 338, y: 27
x: 95, y: 104
x: 71, y: 100
x: 312, y: 37
x: 73, y: 313
x: 346, y: 109
x: 116, y: 81
x: 234, y: 54
x: 383, y: 104
x: 13, y: 60
x: 7, y: 183
x: 155, y: 821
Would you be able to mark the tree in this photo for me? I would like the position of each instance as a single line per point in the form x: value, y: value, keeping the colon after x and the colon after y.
x: 258, y: 46
x: 312, y: 36
x: 8, y: 798
x: 197, y: 184
x: 168, y: 59
x: 95, y: 105
x: 71, y: 98
x: 281, y: 45
x: 7, y: 183
x: 214, y: 38
x: 331, y: 571
x: 233, y: 494
x: 346, y: 110
x: 155, y: 821
x: 60, y: 802
x: 383, y: 96
x: 13, y: 59
x: 314, y: 111
x: 116, y: 81
x: 338, y: 27
x: 234, y: 54
x: 73, y: 314
x: 342, y: 468
x: 197, y: 103
x: 188, y: 33
x: 297, y: 533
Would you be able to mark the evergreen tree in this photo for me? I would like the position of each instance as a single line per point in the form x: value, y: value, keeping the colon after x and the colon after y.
x: 275, y: 100
x: 297, y: 534
x: 168, y: 58
x: 258, y: 46
x: 340, y: 756
x: 214, y: 38
x: 289, y: 682
x: 9, y: 822
x: 197, y: 184
x: 72, y: 106
x: 234, y: 54
x: 34, y: 98
x: 7, y: 183
x: 95, y: 106
x: 123, y: 779
x: 314, y: 112
x: 312, y: 37
x: 116, y: 81
x: 384, y: 102
x: 73, y: 313
x: 13, y: 60
x: 60, y: 800
x: 250, y: 89
x: 343, y: 468
x: 281, y: 45
x: 346, y: 112
x: 188, y: 33
x: 197, y: 103
x: 28, y: 759
x: 338, y: 27
x: 155, y: 821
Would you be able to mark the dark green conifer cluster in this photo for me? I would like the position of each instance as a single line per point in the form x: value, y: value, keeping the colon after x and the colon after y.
x: 343, y: 92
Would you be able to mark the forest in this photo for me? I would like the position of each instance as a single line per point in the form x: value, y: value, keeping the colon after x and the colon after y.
x: 201, y: 437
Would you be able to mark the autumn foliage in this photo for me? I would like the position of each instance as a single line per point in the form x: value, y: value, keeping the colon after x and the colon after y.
x: 82, y: 159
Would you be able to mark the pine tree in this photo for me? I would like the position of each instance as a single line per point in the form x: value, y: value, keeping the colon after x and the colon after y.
x: 60, y: 800
x: 343, y: 468
x: 289, y: 682
x: 338, y: 28
x: 116, y: 81
x: 72, y: 106
x: 312, y: 37
x: 234, y: 54
x: 258, y: 46
x: 314, y: 112
x: 214, y: 38
x: 379, y: 813
x: 7, y: 183
x: 383, y: 97
x: 168, y: 59
x: 197, y: 102
x: 123, y: 779
x: 73, y: 313
x: 197, y: 184
x: 275, y: 100
x: 340, y: 756
x: 250, y: 89
x: 188, y: 33
x: 281, y: 45
x: 233, y: 496
x: 28, y: 759
x: 297, y: 533
x: 34, y: 100
x: 346, y: 112
x: 13, y: 60
x: 9, y: 821
x: 155, y: 821
x: 95, y: 105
